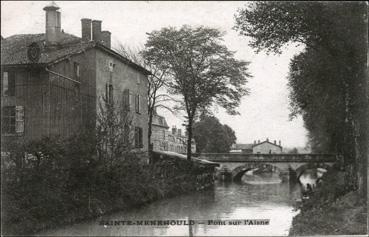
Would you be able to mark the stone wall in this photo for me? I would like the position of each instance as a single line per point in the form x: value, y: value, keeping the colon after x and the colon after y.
x: 183, y: 175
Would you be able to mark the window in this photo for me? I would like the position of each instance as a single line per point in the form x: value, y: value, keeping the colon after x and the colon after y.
x: 12, y: 120
x: 128, y: 99
x: 8, y: 84
x: 109, y: 93
x: 161, y: 122
x: 138, y: 137
x: 76, y: 70
x: 137, y: 103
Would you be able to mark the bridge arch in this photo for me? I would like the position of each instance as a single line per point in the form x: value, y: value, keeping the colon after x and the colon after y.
x: 239, y: 171
x: 303, y: 167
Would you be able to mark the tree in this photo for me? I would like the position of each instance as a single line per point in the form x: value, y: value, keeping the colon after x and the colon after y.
x: 156, y: 93
x: 202, y: 70
x: 213, y: 137
x: 293, y: 151
x: 114, y: 132
x: 328, y: 79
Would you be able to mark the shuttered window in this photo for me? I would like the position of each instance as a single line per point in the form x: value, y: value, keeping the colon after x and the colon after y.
x: 126, y: 100
x: 19, y: 119
x: 109, y: 93
x: 138, y: 137
x: 12, y: 120
x: 8, y: 84
x: 138, y: 103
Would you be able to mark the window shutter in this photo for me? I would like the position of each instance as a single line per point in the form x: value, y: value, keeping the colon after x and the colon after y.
x: 131, y: 101
x: 106, y: 93
x: 126, y: 99
x: 19, y: 119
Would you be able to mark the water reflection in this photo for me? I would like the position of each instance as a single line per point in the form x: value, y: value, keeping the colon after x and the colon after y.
x: 226, y: 201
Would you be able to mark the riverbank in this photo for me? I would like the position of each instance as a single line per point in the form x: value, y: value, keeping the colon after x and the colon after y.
x: 330, y: 210
x: 65, y: 188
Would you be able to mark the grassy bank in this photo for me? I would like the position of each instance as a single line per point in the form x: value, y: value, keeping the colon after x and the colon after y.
x: 65, y: 184
x: 331, y: 210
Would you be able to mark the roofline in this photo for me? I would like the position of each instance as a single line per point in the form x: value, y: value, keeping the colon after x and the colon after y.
x: 158, y: 125
x: 124, y: 59
x: 25, y: 65
x: 97, y: 45
x: 269, y: 143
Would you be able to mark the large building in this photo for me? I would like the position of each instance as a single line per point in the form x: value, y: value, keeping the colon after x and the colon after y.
x: 168, y: 140
x: 264, y: 147
x: 52, y: 83
x: 267, y: 147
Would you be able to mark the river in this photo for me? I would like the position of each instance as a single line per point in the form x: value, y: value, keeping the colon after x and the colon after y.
x: 225, y: 202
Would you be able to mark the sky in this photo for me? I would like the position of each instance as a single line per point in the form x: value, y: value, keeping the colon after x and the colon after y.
x: 263, y: 113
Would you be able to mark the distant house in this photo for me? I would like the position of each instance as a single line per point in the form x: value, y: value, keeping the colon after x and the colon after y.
x: 244, y: 148
x: 267, y: 147
x: 52, y: 82
x: 159, y: 135
x: 166, y: 140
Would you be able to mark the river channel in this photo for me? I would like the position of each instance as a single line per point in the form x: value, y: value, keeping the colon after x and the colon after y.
x: 224, y: 203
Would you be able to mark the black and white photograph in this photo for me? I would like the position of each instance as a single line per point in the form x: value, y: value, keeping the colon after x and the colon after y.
x: 184, y: 118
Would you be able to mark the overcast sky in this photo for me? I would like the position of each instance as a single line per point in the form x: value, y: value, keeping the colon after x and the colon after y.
x: 264, y: 113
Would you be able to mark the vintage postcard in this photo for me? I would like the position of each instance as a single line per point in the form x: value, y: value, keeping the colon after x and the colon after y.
x: 184, y: 118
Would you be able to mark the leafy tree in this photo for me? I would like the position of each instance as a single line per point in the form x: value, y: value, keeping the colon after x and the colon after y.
x: 156, y: 93
x: 293, y: 151
x: 202, y: 70
x: 213, y: 137
x: 327, y: 80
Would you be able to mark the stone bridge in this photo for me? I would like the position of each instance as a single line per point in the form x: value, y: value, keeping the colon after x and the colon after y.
x: 237, y: 164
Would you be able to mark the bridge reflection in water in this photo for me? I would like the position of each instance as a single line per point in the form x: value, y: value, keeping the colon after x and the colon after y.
x: 289, y: 166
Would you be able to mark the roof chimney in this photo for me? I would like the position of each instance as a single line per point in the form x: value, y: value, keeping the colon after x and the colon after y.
x: 279, y: 143
x: 174, y: 130
x: 53, y: 23
x: 267, y: 140
x: 96, y: 30
x: 275, y: 142
x: 179, y: 132
x: 106, y: 38
x: 86, y: 29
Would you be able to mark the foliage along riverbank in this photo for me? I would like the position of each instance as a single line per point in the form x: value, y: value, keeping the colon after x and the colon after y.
x: 65, y: 185
x: 331, y: 210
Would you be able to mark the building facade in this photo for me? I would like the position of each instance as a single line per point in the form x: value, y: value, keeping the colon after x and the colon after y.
x: 168, y: 140
x: 267, y: 147
x: 53, y: 83
x: 264, y: 147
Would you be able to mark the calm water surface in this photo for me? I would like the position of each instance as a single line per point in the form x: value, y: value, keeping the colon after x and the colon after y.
x: 269, y: 200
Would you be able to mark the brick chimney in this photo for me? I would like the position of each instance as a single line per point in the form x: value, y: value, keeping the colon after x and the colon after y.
x: 53, y: 24
x: 96, y: 30
x: 275, y: 142
x: 279, y: 142
x: 174, y: 130
x: 86, y: 29
x: 179, y: 132
x: 106, y: 38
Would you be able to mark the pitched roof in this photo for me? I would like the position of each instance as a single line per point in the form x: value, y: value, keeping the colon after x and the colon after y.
x: 267, y: 142
x: 158, y: 120
x: 242, y: 146
x: 14, y: 50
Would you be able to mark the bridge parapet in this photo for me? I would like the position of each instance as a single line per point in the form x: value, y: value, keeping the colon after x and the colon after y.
x: 244, y: 157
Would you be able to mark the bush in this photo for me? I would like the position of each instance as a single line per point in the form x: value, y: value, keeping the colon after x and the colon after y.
x: 54, y: 181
